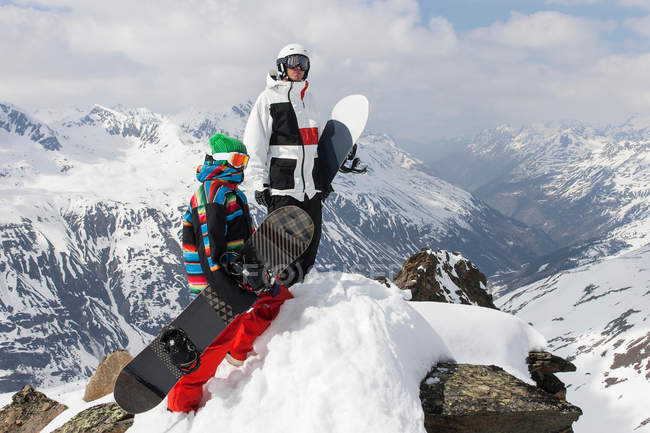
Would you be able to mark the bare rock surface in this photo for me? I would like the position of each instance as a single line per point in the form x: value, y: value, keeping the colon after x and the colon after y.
x: 463, y: 398
x: 29, y: 412
x: 543, y: 366
x: 102, y: 382
x: 103, y: 418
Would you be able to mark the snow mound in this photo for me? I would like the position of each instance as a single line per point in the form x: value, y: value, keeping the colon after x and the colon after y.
x: 348, y: 354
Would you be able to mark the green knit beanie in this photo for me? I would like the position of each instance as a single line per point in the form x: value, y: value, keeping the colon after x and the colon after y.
x: 219, y: 143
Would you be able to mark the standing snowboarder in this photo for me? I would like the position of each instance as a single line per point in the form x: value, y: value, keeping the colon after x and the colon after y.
x: 282, y: 135
x: 218, y: 221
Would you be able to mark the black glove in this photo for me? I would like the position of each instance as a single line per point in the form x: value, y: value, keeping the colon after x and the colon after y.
x: 263, y: 197
x: 326, y: 192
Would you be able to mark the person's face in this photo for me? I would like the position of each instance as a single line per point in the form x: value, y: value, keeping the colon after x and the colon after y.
x: 295, y: 74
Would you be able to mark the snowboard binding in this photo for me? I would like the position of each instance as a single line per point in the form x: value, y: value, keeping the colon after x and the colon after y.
x: 354, y: 166
x: 182, y: 352
x: 249, y: 271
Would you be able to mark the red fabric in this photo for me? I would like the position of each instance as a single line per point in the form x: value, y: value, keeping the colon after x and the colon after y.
x: 304, y: 89
x: 237, y: 338
x: 309, y: 136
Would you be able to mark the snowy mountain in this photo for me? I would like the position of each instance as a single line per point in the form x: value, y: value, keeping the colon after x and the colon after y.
x: 90, y: 230
x: 586, y: 188
x: 203, y: 125
x: 598, y: 317
x: 374, y: 221
x: 16, y: 121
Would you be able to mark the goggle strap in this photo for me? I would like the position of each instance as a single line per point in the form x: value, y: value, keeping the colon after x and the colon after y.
x: 222, y: 156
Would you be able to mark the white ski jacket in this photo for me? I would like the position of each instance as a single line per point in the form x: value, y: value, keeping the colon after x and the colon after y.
x: 281, y: 137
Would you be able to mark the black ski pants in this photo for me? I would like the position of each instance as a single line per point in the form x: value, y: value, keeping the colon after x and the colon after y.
x: 314, y: 207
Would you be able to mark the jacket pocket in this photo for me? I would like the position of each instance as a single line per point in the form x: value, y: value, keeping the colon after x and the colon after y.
x: 281, y: 173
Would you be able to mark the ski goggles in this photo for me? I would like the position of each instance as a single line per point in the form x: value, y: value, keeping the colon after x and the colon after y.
x: 295, y: 60
x: 233, y: 159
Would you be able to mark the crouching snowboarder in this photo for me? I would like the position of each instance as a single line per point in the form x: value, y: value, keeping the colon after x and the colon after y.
x: 218, y: 222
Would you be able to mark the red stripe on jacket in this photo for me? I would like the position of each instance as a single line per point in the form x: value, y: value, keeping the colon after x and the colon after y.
x: 309, y: 136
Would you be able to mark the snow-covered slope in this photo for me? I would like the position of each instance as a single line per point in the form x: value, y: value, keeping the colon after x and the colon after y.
x: 90, y: 231
x: 598, y: 316
x: 347, y: 354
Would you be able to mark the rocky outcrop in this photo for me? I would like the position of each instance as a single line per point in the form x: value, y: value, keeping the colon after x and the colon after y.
x: 29, y: 412
x: 542, y: 366
x: 462, y: 398
x: 442, y: 276
x: 103, y: 381
x: 103, y: 418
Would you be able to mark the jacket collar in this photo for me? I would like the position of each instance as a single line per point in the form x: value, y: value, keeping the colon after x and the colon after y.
x: 278, y: 85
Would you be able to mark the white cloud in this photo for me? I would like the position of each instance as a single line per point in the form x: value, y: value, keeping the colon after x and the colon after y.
x: 220, y: 49
x: 423, y: 79
x: 542, y: 30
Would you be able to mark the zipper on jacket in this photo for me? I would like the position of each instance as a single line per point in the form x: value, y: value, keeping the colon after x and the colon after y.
x: 302, y: 163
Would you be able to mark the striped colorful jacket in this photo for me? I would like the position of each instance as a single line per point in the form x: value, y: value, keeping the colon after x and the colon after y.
x: 217, y: 220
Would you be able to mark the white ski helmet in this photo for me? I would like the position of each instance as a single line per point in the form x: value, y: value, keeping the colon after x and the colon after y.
x: 293, y: 55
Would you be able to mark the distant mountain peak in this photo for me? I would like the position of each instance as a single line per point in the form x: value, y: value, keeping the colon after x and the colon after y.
x: 17, y: 121
x: 140, y: 123
x: 638, y: 122
x: 203, y: 124
x: 243, y: 110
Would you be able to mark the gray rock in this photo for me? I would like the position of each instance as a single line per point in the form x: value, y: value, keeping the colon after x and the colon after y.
x: 103, y: 418
x: 463, y: 398
x: 542, y: 366
x: 29, y: 412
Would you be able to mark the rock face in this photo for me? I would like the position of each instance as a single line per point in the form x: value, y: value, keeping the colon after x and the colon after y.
x: 103, y: 418
x: 103, y: 381
x: 462, y: 398
x: 542, y: 366
x: 442, y: 276
x: 29, y: 412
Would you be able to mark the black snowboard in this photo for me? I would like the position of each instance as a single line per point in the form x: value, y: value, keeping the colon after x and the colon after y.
x: 342, y: 130
x: 279, y: 240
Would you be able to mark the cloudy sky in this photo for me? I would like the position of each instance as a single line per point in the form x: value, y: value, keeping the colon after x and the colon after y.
x: 431, y: 69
